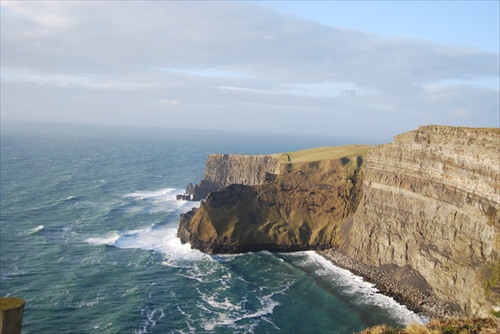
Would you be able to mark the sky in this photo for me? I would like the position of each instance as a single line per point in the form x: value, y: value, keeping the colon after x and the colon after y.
x: 370, y: 69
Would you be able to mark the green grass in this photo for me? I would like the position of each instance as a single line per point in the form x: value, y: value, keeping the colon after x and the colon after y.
x: 328, y: 152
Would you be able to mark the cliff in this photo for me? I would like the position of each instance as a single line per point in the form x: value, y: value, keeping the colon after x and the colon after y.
x: 222, y: 170
x: 418, y: 217
x: 430, y: 204
x: 298, y: 208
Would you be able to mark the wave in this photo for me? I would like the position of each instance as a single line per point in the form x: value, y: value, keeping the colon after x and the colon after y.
x: 109, y: 239
x: 152, y: 316
x: 162, y: 200
x: 360, y: 291
x: 36, y: 229
x: 220, y: 307
x: 161, y: 239
x: 237, y: 292
x: 166, y: 192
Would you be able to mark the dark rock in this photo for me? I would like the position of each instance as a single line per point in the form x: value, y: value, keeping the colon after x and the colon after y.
x: 190, y: 189
x: 184, y: 197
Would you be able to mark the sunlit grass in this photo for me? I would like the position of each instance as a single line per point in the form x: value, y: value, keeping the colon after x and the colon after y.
x: 327, y: 152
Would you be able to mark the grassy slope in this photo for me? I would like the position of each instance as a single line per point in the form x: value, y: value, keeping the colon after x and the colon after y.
x: 328, y: 152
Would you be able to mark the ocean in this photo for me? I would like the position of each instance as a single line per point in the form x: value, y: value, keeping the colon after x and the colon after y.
x: 88, y: 226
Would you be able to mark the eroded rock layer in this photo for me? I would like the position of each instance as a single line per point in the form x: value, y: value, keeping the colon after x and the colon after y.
x: 431, y: 202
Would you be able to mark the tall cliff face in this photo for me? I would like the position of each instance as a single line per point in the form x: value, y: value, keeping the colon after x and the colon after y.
x: 431, y: 202
x: 222, y: 170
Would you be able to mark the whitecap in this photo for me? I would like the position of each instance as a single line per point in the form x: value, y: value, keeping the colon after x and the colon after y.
x: 151, y: 318
x: 36, y: 229
x: 110, y: 239
x: 151, y: 194
x: 161, y: 239
x: 163, y: 200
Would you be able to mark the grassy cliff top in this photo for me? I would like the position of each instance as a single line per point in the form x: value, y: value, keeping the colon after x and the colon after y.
x: 327, y: 152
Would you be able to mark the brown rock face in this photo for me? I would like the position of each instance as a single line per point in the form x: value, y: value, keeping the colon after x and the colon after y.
x: 299, y: 209
x: 431, y: 202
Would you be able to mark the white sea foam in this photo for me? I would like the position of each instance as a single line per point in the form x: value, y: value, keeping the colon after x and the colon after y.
x: 139, y: 195
x: 36, y: 229
x: 163, y: 200
x: 225, y: 313
x: 189, y: 320
x: 151, y: 317
x: 243, y: 312
x: 160, y: 238
x: 363, y: 293
x: 109, y: 239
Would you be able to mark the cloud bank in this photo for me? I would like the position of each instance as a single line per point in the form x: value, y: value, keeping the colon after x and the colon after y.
x: 232, y: 65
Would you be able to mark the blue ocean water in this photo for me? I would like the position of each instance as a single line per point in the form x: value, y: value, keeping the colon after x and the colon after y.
x: 88, y: 227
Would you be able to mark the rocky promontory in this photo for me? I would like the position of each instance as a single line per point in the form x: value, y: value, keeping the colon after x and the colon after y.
x: 419, y: 217
x: 299, y: 207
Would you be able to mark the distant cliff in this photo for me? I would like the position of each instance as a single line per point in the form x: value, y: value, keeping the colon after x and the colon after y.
x: 419, y: 217
x: 222, y: 170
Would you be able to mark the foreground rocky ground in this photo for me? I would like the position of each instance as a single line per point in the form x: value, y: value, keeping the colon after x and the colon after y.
x: 448, y: 326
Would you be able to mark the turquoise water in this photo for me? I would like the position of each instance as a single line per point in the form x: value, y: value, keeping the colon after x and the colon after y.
x: 88, y: 238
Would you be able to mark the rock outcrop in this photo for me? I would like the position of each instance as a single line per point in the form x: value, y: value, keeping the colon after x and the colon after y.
x: 420, y: 218
x: 298, y: 209
x: 222, y: 170
x: 431, y: 203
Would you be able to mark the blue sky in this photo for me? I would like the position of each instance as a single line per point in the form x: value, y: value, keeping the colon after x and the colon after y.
x: 471, y: 23
x: 359, y: 68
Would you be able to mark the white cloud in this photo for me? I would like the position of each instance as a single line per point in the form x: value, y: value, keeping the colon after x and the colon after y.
x: 235, y: 57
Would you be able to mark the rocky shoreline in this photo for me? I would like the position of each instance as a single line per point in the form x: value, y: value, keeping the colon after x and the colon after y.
x: 403, y: 284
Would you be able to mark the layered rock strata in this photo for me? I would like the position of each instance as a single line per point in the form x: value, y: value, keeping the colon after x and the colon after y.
x: 431, y: 203
x: 222, y: 170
